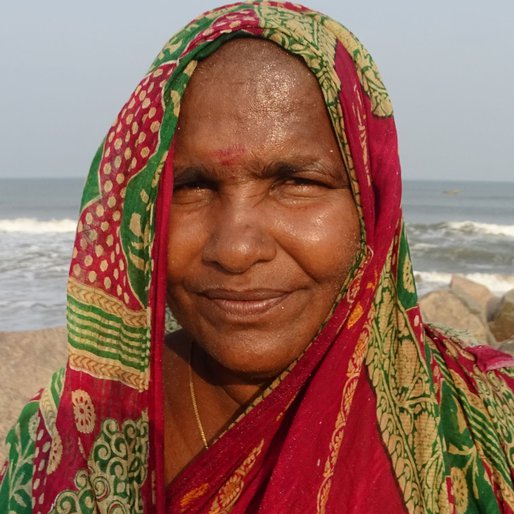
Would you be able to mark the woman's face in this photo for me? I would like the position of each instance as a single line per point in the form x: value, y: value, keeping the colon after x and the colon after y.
x: 263, y: 226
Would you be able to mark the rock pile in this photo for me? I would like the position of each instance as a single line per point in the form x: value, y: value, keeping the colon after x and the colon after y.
x: 472, y: 308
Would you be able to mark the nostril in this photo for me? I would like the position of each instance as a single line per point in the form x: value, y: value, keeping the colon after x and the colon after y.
x: 237, y: 249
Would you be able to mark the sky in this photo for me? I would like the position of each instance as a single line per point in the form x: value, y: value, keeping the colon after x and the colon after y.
x: 66, y: 68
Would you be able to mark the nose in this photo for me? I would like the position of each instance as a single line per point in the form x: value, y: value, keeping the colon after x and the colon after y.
x: 240, y: 237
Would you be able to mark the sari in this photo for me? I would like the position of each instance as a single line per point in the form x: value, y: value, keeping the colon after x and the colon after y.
x: 381, y: 412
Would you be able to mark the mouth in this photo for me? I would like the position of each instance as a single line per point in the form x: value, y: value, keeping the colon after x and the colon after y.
x: 245, y: 304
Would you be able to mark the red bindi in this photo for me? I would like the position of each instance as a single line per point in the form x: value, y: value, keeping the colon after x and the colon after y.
x: 229, y: 155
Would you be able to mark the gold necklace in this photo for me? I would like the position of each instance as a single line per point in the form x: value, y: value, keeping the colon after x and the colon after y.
x: 193, y: 401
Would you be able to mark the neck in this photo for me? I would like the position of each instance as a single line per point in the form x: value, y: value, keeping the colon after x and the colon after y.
x: 220, y: 394
x: 241, y: 390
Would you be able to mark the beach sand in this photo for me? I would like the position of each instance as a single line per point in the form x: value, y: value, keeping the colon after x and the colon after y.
x: 28, y: 360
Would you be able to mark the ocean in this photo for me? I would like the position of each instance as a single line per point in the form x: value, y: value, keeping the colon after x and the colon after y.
x: 453, y: 227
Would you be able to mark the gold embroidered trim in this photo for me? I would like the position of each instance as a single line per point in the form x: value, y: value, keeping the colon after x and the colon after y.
x: 233, y: 487
x: 48, y: 410
x: 352, y: 374
x: 407, y: 412
x: 367, y: 70
x: 103, y: 343
x: 107, y: 369
x: 109, y: 304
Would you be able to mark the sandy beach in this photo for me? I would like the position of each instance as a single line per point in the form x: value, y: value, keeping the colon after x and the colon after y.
x: 29, y: 359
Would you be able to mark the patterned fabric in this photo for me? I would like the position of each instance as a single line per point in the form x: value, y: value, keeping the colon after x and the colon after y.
x: 381, y: 413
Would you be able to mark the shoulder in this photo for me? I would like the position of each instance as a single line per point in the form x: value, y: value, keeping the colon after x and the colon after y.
x: 20, y: 448
x: 474, y: 383
x: 474, y: 386
x: 467, y: 355
x: 479, y: 370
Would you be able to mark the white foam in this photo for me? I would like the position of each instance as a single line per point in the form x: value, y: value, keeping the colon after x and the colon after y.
x: 433, y: 277
x: 497, y: 283
x: 423, y: 246
x: 481, y: 228
x: 35, y: 226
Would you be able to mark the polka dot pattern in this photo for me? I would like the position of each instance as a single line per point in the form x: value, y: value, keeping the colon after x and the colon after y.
x: 99, y: 259
x: 244, y: 20
x: 41, y: 458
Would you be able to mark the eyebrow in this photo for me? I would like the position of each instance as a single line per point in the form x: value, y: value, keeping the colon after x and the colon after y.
x: 274, y: 169
x: 186, y: 174
x: 291, y: 168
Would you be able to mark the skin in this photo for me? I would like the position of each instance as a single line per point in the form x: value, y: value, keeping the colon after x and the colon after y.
x: 263, y: 231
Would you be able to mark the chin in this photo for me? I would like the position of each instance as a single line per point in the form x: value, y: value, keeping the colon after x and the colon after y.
x: 252, y: 362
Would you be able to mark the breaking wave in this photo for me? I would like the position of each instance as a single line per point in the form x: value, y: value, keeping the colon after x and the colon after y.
x: 466, y: 227
x: 35, y: 226
x: 496, y: 283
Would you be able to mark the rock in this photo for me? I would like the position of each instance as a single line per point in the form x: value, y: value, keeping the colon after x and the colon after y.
x: 445, y: 307
x: 478, y: 297
x: 502, y: 322
x: 507, y: 346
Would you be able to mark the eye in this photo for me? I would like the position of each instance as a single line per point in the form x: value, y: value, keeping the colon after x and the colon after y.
x: 302, y: 182
x: 192, y: 191
x: 299, y: 187
x: 192, y: 185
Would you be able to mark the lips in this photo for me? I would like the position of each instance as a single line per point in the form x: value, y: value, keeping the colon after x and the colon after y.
x: 245, y: 304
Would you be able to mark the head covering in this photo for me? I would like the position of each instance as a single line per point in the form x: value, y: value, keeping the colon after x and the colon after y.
x: 380, y: 412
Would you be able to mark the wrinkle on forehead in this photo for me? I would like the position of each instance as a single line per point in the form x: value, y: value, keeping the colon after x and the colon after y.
x: 271, y: 84
x: 257, y: 68
x: 250, y: 104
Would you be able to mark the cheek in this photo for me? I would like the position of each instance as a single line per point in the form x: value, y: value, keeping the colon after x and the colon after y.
x: 323, y: 241
x: 184, y: 243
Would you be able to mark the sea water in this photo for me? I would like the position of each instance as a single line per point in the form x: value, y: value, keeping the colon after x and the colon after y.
x: 453, y: 227
x: 461, y: 227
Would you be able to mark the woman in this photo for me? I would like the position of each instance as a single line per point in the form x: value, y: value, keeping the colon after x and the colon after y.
x: 252, y: 183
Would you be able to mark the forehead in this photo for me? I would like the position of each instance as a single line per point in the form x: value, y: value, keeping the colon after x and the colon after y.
x: 257, y: 71
x: 251, y: 92
x: 248, y: 55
